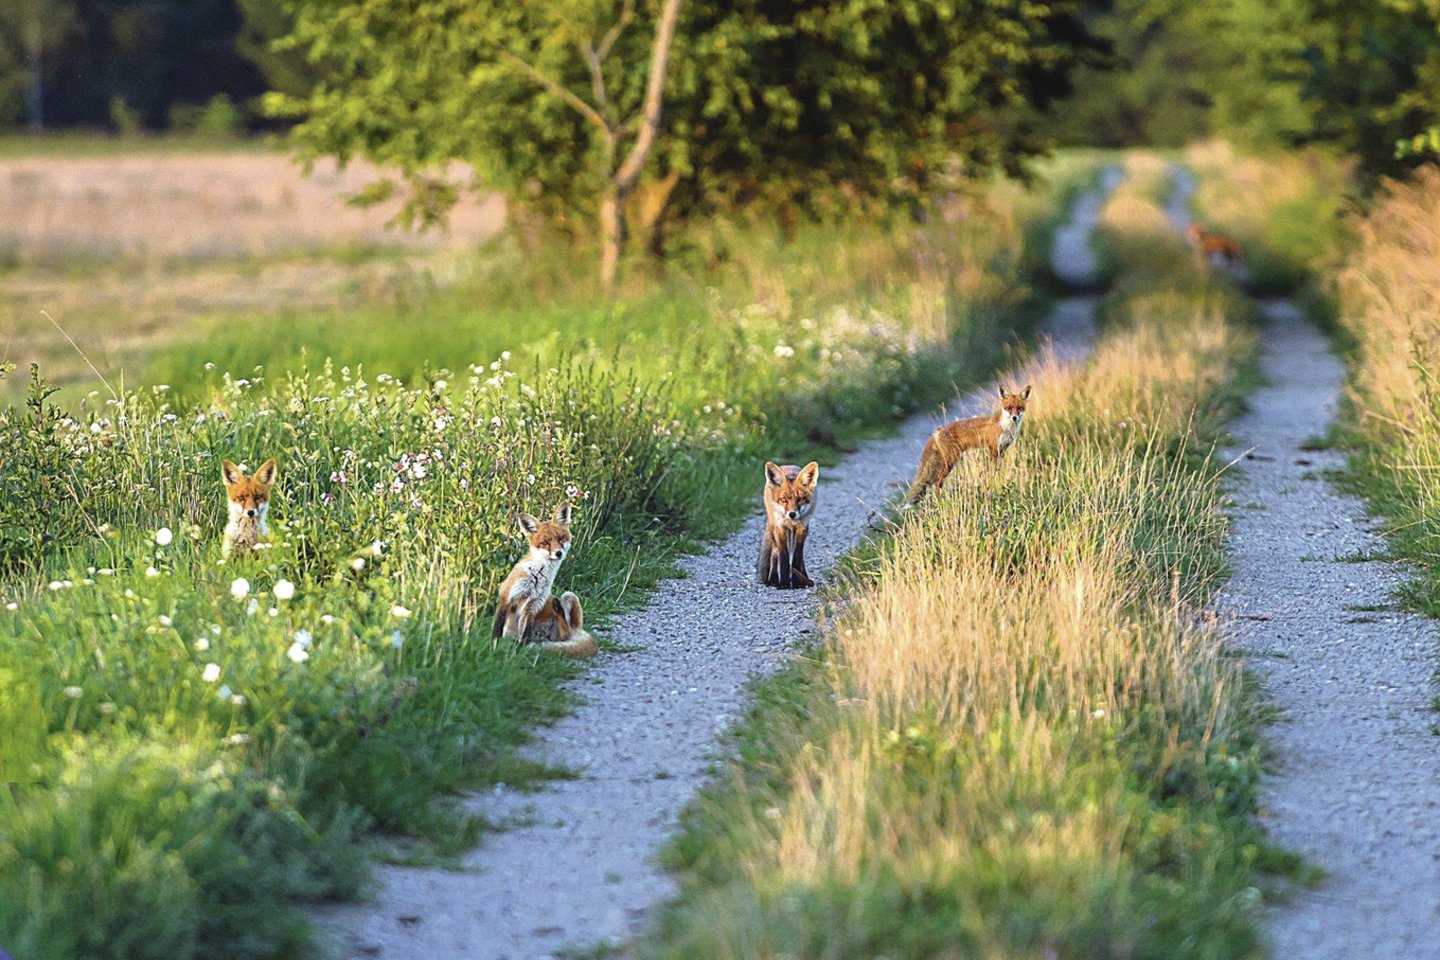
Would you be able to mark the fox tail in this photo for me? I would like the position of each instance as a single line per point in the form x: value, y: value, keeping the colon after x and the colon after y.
x: 924, y: 475
x: 578, y: 647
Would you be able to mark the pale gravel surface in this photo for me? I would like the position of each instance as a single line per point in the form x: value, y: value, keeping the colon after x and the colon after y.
x: 580, y: 868
x: 1357, y: 784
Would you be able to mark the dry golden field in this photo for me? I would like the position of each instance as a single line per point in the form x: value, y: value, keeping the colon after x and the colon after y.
x: 127, y: 251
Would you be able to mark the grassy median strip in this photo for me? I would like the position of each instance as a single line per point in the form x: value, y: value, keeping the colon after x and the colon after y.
x: 1388, y: 290
x: 1016, y: 739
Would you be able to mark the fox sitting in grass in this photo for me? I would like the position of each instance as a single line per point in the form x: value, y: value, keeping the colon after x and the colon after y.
x: 248, y: 499
x: 789, y: 504
x: 1215, y: 246
x: 942, y: 451
x: 528, y: 612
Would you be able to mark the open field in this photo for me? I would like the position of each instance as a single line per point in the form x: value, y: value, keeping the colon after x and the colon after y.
x: 136, y: 249
x: 343, y: 680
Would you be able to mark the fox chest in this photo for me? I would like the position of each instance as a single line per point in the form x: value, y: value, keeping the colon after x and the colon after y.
x: 533, y: 588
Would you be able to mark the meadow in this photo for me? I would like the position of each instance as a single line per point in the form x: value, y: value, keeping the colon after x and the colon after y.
x: 1019, y: 735
x: 193, y: 747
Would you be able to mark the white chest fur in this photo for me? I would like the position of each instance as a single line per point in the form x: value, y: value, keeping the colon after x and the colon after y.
x: 536, y: 584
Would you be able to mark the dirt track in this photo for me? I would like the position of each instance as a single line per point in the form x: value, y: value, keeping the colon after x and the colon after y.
x: 580, y: 869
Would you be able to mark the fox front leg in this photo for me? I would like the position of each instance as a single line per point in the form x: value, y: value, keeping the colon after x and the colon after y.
x: 800, y: 576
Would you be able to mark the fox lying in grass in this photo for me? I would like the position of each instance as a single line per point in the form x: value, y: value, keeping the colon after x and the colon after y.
x: 1215, y: 245
x: 248, y: 499
x: 942, y: 451
x: 528, y: 613
x: 789, y: 504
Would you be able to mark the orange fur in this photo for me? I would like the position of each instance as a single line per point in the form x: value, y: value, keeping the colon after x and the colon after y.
x: 527, y: 611
x: 248, y: 501
x: 789, y: 504
x: 943, y: 450
x: 1212, y: 245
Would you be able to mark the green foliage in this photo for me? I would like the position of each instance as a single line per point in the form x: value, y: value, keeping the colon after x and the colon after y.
x: 1191, y: 70
x: 818, y: 103
x: 998, y: 816
x: 196, y: 745
x: 40, y: 479
x: 1374, y: 74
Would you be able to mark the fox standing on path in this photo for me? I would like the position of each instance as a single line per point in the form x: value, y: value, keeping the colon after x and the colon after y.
x: 1213, y: 245
x: 248, y: 500
x: 527, y: 612
x: 789, y: 504
x: 942, y: 451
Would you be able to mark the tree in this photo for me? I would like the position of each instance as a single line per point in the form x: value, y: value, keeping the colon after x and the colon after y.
x: 1373, y: 70
x: 27, y: 28
x: 559, y: 102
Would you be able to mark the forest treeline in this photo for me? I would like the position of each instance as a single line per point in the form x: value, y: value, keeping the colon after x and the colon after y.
x: 612, y: 119
x: 1364, y: 74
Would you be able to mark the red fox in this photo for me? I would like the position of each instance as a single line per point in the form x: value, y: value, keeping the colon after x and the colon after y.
x: 789, y: 504
x: 942, y: 451
x: 527, y: 611
x: 249, y: 501
x: 1215, y: 245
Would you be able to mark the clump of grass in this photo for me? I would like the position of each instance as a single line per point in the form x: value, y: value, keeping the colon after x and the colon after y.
x: 1017, y: 739
x: 1388, y: 291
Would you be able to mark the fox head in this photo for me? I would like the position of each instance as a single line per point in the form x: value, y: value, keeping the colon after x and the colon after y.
x: 790, y: 491
x: 549, y: 539
x: 1012, y: 408
x: 249, y: 496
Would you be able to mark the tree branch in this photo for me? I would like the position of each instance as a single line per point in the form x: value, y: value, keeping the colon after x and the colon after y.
x: 629, y: 171
x: 556, y: 87
x: 594, y: 59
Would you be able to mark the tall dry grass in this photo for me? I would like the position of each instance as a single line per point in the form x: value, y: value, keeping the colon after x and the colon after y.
x: 1017, y: 739
x: 1389, y: 298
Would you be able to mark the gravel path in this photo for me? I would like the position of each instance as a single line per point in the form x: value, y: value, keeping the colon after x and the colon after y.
x: 578, y: 868
x: 1357, y: 784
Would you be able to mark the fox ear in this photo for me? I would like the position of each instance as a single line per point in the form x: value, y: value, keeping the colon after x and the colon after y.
x: 527, y: 523
x: 229, y: 471
x: 562, y: 513
x: 1002, y: 392
x: 1025, y: 394
x: 809, y: 474
x: 773, y: 475
x: 266, y: 473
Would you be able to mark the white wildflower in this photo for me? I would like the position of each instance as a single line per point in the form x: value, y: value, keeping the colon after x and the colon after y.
x: 357, y: 564
x: 211, y: 673
x: 73, y: 692
x: 239, y: 588
x: 284, y: 590
x: 151, y: 572
x: 163, y: 536
x: 399, y: 612
x: 297, y: 653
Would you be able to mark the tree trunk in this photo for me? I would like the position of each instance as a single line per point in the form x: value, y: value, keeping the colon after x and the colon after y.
x: 612, y: 235
x: 35, y: 74
x: 623, y: 180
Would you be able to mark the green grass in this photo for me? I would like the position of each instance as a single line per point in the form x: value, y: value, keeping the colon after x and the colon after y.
x: 279, y: 731
x: 1007, y: 745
